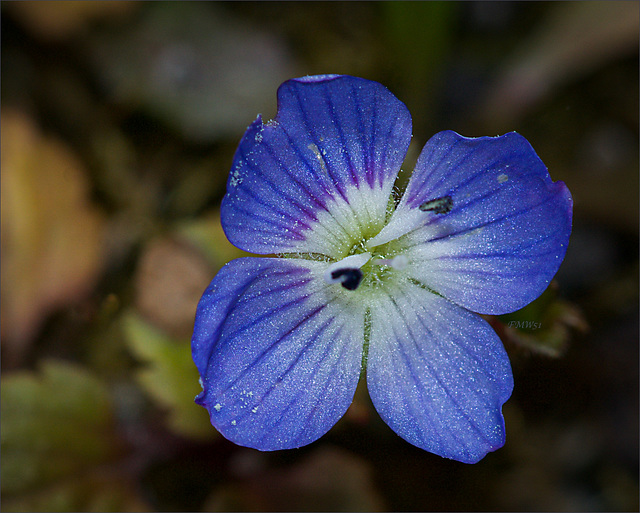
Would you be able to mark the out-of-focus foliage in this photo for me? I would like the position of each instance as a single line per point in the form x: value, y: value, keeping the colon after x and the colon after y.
x: 420, y: 33
x: 544, y: 326
x: 58, y: 442
x: 329, y: 479
x: 203, y: 72
x: 59, y: 19
x: 51, y: 232
x: 169, y: 282
x: 168, y: 376
x: 119, y: 124
x: 573, y: 40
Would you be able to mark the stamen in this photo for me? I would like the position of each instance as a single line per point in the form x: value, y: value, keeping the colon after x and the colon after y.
x: 397, y: 262
x: 347, y: 271
x: 438, y: 206
x: 348, y: 278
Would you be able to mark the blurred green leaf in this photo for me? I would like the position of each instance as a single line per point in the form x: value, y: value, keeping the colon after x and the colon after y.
x: 206, y: 234
x: 169, y: 376
x: 420, y: 35
x: 57, y: 432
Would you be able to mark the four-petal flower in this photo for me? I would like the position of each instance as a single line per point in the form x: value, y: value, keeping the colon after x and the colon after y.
x: 365, y: 280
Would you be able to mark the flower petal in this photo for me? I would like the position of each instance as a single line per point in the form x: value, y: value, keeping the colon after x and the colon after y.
x: 437, y: 374
x: 320, y: 173
x: 506, y: 234
x: 279, y: 352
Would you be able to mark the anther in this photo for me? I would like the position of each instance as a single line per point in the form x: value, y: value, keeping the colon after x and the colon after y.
x: 348, y: 278
x: 440, y: 205
x: 347, y: 271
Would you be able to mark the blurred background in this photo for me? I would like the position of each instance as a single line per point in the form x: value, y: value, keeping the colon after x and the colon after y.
x: 119, y: 123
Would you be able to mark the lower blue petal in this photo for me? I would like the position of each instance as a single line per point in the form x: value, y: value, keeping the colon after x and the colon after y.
x: 437, y: 374
x: 279, y: 352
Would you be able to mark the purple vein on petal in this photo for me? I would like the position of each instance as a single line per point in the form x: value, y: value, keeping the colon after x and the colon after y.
x: 460, y: 347
x: 320, y: 205
x: 301, y: 351
x: 329, y: 180
x: 281, y: 308
x: 276, y: 190
x: 269, y: 220
x: 367, y: 146
x: 305, y: 118
x: 349, y: 164
x: 419, y: 192
x: 337, y: 361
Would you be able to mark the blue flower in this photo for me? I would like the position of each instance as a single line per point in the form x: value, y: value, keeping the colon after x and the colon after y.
x: 366, y: 280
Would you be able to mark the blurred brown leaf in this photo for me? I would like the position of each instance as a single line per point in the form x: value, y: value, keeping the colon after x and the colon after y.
x: 328, y: 479
x: 170, y: 279
x: 58, y: 19
x: 51, y: 233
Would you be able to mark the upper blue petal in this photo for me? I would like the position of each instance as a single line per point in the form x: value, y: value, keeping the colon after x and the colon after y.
x: 332, y: 135
x: 437, y: 374
x: 507, y: 232
x: 279, y: 352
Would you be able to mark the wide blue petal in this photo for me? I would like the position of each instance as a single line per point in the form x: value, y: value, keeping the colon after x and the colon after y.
x: 508, y: 229
x: 279, y: 352
x: 335, y: 140
x: 437, y: 374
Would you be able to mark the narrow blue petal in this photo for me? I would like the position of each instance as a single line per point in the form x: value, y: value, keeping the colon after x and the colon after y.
x: 279, y: 352
x: 334, y: 137
x: 437, y: 374
x: 507, y: 232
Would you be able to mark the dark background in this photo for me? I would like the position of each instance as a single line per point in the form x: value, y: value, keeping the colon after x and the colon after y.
x: 119, y: 123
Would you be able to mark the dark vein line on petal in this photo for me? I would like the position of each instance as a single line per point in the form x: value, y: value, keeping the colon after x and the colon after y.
x: 304, y: 348
x: 309, y: 128
x: 277, y: 190
x: 436, y: 375
x: 270, y: 151
x: 446, y: 356
x: 473, y: 356
x: 271, y: 347
x: 319, y: 397
x: 511, y: 215
x: 330, y: 194
x: 416, y: 403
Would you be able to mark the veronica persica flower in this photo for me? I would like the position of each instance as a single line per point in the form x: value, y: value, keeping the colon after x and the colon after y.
x: 361, y: 279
